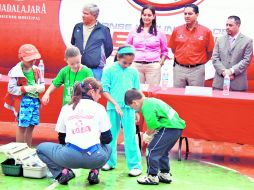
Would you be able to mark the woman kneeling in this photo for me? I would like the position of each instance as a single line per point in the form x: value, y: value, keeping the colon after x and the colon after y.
x: 87, y: 129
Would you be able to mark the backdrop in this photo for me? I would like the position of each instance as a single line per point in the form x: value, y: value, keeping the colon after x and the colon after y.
x: 48, y: 24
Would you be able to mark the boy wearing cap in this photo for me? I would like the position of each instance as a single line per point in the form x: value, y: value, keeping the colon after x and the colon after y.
x: 25, y: 84
x: 164, y: 128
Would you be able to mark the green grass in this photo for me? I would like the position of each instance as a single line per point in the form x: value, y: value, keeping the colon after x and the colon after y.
x: 186, y: 175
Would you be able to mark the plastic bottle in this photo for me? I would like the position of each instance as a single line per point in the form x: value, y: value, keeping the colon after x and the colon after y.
x: 164, y: 77
x: 226, y: 85
x: 42, y: 70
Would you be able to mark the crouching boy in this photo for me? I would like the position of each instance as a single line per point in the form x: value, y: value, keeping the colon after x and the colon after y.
x: 164, y: 128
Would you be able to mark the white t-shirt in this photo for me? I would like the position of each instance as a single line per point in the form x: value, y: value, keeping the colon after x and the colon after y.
x: 84, y: 125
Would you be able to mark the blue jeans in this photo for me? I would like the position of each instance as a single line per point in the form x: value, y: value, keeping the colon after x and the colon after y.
x: 57, y: 157
x: 158, y: 150
x: 97, y: 73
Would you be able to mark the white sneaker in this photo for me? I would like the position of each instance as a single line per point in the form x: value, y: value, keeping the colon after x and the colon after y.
x: 148, y: 180
x: 49, y: 174
x: 135, y: 172
x: 106, y: 167
x: 165, y: 177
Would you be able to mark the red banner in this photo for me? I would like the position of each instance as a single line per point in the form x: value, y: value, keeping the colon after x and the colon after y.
x: 34, y: 22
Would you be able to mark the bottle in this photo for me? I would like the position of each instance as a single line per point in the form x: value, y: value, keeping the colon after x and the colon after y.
x: 42, y: 70
x: 226, y: 85
x: 164, y: 77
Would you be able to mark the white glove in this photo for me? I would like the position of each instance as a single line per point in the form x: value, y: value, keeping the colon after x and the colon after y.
x: 40, y: 88
x: 30, y: 89
x: 148, y: 138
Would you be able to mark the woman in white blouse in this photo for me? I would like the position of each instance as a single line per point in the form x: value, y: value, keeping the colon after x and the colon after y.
x: 87, y: 129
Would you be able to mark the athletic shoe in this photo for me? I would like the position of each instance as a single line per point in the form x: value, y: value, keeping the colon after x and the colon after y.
x: 106, y: 167
x: 165, y: 177
x: 49, y: 174
x: 135, y: 172
x: 93, y: 177
x: 66, y: 175
x: 148, y: 180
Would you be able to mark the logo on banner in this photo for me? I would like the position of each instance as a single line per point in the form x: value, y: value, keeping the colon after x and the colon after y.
x: 164, y: 7
x: 22, y: 10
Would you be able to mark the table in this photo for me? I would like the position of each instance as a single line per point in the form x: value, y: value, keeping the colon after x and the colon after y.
x: 219, y: 118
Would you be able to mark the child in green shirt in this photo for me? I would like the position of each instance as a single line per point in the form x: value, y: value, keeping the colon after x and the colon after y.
x: 164, y: 128
x: 68, y: 76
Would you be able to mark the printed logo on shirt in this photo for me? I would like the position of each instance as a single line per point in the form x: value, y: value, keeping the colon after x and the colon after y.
x: 70, y: 90
x: 80, y: 128
x: 180, y: 36
x: 201, y: 38
x: 171, y: 114
x: 80, y: 116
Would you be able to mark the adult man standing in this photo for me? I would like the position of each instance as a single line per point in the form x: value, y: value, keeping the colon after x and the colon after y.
x: 192, y: 45
x: 93, y: 40
x: 231, y: 56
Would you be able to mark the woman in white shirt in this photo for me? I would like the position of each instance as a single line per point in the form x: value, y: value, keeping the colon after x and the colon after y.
x: 87, y: 129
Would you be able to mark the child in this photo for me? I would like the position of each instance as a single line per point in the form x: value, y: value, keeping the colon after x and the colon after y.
x: 68, y: 76
x: 164, y: 129
x: 87, y: 129
x: 24, y: 87
x: 116, y: 80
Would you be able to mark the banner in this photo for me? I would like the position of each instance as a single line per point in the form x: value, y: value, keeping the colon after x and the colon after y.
x: 48, y: 24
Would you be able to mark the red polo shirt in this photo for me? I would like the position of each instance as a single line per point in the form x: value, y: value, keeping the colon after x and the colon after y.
x: 191, y: 46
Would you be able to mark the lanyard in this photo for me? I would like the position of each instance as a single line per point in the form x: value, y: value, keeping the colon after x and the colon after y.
x: 76, y: 73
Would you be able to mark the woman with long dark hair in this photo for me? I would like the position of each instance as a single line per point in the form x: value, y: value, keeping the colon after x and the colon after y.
x: 151, y: 47
x: 87, y: 129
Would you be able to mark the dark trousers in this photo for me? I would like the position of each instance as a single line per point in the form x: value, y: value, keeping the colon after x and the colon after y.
x: 158, y: 150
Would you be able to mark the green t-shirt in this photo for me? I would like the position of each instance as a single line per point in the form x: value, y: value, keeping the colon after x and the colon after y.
x: 158, y: 114
x: 30, y: 82
x: 69, y: 78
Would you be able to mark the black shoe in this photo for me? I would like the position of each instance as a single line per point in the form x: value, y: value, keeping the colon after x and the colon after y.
x: 66, y: 175
x: 93, y: 177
